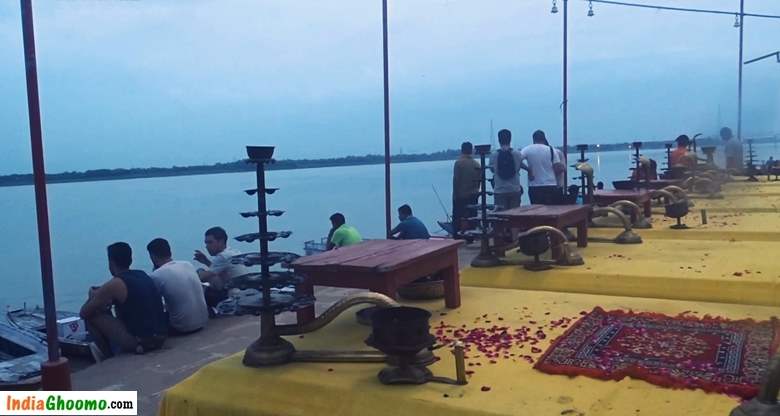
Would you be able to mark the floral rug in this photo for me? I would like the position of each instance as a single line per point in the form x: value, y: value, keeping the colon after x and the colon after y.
x: 712, y: 354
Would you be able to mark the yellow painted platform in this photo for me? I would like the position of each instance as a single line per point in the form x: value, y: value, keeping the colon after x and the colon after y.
x: 732, y: 260
x: 744, y: 272
x: 748, y: 204
x: 758, y: 189
x: 743, y: 186
x: 724, y: 226
x: 228, y: 388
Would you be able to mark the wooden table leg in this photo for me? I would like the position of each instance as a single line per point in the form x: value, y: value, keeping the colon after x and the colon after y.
x: 306, y: 314
x: 648, y: 208
x: 582, y: 233
x: 499, y: 245
x: 388, y: 287
x: 556, y: 246
x: 452, y: 285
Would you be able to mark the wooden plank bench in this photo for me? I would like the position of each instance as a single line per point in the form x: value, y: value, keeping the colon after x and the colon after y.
x: 381, y: 266
x: 558, y: 216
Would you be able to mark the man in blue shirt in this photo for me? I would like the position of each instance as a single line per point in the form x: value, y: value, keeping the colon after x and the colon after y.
x: 410, y: 227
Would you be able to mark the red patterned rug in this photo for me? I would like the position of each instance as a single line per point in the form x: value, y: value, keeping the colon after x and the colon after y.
x: 712, y: 354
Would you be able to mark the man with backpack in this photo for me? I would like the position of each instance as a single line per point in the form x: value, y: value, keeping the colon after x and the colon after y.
x: 545, y: 164
x: 506, y: 164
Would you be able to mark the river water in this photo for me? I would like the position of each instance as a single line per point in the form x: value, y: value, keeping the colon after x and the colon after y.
x: 87, y: 216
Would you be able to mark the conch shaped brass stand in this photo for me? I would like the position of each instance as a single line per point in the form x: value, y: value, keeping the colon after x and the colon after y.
x: 272, y: 349
x: 640, y: 221
x: 628, y: 236
x: 678, y: 193
x: 566, y: 257
x: 674, y: 207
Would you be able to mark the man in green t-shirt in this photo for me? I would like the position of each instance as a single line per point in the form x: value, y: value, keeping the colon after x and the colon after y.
x: 341, y: 234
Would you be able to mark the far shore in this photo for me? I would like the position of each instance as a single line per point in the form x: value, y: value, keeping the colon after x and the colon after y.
x: 241, y: 166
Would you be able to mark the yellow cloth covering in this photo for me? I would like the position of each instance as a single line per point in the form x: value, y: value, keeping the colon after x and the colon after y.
x: 741, y: 185
x: 762, y: 203
x: 730, y: 259
x: 657, y: 268
x: 228, y: 388
x: 720, y: 226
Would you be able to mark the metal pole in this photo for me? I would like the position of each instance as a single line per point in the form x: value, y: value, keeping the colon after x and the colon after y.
x: 388, y: 219
x: 741, y: 41
x: 769, y: 55
x: 565, y: 89
x: 267, y: 320
x: 56, y: 368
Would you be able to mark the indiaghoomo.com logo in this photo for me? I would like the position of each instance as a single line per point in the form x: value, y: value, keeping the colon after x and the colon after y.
x: 69, y: 403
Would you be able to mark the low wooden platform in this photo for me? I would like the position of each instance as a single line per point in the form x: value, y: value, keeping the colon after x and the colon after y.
x: 558, y: 216
x: 382, y: 266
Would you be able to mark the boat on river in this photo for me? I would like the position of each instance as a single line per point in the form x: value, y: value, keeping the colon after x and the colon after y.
x: 72, y: 330
x: 21, y: 355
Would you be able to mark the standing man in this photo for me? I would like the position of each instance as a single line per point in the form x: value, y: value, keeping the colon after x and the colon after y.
x: 466, y: 178
x: 139, y: 325
x: 545, y: 164
x: 219, y: 270
x: 506, y: 164
x: 732, y: 148
x: 179, y: 285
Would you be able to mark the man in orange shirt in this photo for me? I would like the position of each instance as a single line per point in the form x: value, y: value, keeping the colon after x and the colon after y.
x: 680, y: 156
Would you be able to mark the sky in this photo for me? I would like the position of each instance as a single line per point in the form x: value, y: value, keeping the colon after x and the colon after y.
x: 139, y: 83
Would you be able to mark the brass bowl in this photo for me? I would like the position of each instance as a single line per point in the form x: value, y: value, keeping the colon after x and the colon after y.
x: 677, y: 209
x: 534, y: 244
x: 400, y: 330
x: 260, y: 152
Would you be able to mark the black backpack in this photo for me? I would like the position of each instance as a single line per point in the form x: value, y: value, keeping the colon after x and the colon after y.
x: 506, y: 164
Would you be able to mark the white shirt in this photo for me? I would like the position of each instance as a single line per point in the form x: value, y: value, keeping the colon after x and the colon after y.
x: 179, y: 284
x: 222, y: 267
x: 540, y: 159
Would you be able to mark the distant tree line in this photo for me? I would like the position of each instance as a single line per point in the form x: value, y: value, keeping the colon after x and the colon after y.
x: 242, y: 166
x: 238, y: 166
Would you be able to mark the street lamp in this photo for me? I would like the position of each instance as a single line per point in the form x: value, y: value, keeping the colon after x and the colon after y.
x: 565, y: 103
x: 386, y: 79
x: 769, y: 55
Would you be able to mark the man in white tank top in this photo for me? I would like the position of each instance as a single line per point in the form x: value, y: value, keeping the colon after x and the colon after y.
x: 180, y: 286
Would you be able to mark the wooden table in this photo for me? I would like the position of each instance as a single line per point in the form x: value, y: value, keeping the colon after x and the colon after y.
x: 558, y: 216
x: 381, y: 266
x: 660, y: 183
x: 640, y: 197
x: 643, y: 184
